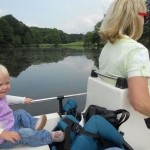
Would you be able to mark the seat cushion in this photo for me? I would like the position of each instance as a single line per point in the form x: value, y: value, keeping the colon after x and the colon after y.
x: 45, y: 147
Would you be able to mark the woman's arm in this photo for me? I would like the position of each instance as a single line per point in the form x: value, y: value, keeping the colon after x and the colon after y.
x: 139, y: 94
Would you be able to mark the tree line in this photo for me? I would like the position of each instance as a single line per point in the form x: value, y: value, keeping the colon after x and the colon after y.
x: 15, y: 33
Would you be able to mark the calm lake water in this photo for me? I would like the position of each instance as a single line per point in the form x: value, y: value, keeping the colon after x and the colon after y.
x: 43, y: 73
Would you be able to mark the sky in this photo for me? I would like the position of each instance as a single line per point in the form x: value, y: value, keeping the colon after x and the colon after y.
x: 70, y: 16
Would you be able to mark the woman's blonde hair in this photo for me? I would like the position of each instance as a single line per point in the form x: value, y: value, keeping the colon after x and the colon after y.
x: 4, y: 70
x: 122, y: 19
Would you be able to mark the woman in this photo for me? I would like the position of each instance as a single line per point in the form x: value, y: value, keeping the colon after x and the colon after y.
x: 123, y: 56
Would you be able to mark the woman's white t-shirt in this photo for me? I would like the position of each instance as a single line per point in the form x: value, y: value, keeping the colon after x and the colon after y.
x: 125, y: 58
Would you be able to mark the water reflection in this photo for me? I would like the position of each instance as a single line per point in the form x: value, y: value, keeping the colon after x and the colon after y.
x: 41, y: 73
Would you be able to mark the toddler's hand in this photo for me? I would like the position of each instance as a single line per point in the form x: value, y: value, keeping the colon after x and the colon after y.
x: 10, y: 136
x: 28, y: 100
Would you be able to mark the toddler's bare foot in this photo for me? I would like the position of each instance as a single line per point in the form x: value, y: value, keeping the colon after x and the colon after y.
x: 58, y: 136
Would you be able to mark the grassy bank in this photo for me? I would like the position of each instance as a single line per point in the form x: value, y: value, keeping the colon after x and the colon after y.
x: 68, y: 45
x: 77, y: 45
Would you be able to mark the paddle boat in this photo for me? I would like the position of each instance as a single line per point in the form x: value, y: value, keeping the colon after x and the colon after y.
x: 100, y: 93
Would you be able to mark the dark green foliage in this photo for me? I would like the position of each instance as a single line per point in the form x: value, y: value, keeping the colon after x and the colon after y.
x: 145, y: 39
x: 15, y: 33
x: 6, y: 33
x: 93, y: 38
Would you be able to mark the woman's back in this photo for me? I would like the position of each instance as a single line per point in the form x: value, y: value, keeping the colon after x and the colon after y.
x: 124, y: 58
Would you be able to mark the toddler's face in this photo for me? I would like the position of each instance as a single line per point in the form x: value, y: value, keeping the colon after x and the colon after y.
x: 4, y: 84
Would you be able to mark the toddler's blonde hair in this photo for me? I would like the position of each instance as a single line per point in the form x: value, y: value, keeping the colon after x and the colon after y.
x: 3, y: 70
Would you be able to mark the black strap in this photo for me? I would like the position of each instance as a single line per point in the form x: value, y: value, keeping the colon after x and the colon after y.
x: 77, y: 128
x: 127, y: 146
x: 147, y: 122
x: 68, y: 133
x: 124, y: 116
x: 110, y: 115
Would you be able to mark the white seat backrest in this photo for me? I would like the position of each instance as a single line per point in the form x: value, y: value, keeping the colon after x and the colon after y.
x: 105, y: 95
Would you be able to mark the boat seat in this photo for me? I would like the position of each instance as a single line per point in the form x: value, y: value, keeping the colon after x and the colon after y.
x: 52, y: 120
x: 45, y: 147
x: 103, y: 94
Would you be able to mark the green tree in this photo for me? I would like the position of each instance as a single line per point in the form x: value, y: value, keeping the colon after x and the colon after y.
x: 148, y: 22
x: 56, y: 38
x: 15, y: 24
x: 64, y: 37
x: 6, y: 33
x: 17, y: 40
x: 48, y: 38
x: 96, y: 38
x: 14, y: 32
x: 37, y: 38
x: 145, y: 39
x: 88, y: 38
x: 27, y: 39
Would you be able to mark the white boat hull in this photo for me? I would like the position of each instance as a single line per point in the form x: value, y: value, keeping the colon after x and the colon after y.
x: 100, y: 93
x: 103, y: 94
